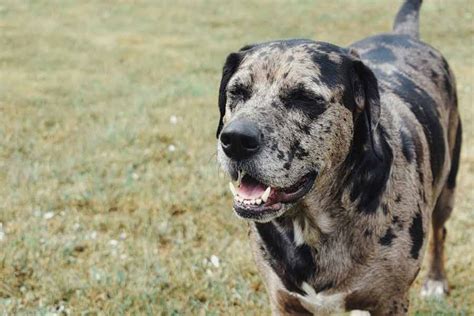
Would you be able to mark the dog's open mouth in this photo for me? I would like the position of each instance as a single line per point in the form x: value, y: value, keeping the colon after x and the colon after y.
x: 254, y: 200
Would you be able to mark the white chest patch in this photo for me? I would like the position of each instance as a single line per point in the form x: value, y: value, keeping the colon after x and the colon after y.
x: 317, y: 303
x: 298, y: 233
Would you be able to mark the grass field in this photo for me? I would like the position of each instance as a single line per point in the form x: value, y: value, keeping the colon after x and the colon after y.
x: 111, y: 201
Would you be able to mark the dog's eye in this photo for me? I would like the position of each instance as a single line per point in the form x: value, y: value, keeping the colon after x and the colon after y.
x: 305, y: 101
x: 303, y: 97
x: 239, y: 92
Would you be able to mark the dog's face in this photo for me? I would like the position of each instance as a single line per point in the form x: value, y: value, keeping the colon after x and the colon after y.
x: 287, y: 116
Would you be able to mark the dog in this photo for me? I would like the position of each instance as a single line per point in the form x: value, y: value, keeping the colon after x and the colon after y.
x: 342, y: 158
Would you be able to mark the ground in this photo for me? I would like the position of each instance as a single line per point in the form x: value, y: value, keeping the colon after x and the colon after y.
x: 111, y: 200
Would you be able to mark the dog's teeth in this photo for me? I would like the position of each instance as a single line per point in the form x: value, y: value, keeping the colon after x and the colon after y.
x: 241, y: 174
x: 232, y: 189
x: 240, y: 199
x: 246, y: 202
x: 266, y: 194
x: 258, y: 201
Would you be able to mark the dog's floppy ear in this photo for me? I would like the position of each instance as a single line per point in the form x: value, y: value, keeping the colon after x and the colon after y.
x: 230, y: 67
x: 367, y: 100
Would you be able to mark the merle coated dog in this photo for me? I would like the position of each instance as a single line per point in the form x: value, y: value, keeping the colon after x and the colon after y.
x: 343, y: 157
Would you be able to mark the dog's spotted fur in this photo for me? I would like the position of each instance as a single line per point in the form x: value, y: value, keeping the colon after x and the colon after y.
x: 378, y: 122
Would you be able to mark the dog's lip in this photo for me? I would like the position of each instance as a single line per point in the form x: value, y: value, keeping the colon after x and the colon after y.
x: 247, y: 208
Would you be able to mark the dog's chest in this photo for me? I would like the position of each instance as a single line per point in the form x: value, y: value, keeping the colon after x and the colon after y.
x: 320, y: 302
x: 283, y: 248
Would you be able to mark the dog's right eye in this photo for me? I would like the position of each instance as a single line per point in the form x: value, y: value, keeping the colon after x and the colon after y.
x: 239, y: 92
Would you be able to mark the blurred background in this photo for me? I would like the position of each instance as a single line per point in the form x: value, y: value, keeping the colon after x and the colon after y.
x: 111, y: 201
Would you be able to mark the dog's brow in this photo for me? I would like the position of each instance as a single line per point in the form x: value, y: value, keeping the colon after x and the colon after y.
x: 300, y: 92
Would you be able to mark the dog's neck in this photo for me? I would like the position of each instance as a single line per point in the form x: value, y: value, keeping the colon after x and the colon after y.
x: 347, y: 192
x: 316, y: 235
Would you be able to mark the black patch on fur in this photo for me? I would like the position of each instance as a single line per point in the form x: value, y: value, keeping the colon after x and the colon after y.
x: 386, y: 240
x: 230, y: 67
x: 418, y: 150
x: 417, y: 235
x: 398, y: 199
x: 407, y: 146
x: 385, y: 208
x: 330, y: 74
x: 448, y: 86
x: 451, y: 182
x: 423, y: 107
x: 396, y: 223
x: 293, y: 265
x: 369, y: 174
x: 380, y: 55
x: 434, y: 75
x: 295, y: 151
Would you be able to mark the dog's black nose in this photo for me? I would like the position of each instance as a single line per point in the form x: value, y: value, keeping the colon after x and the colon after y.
x: 240, y: 139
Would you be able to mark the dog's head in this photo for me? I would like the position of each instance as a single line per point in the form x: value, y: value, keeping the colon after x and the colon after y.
x: 290, y: 112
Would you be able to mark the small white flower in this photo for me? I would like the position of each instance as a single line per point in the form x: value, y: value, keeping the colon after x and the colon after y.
x: 171, y: 148
x: 94, y: 235
x: 173, y: 119
x: 48, y: 215
x: 113, y: 242
x: 123, y: 236
x: 97, y: 275
x: 215, y: 261
x: 76, y: 226
x: 123, y: 256
x: 2, y: 232
x: 135, y: 176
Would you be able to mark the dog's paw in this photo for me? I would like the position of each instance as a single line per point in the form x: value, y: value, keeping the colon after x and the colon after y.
x: 434, y: 289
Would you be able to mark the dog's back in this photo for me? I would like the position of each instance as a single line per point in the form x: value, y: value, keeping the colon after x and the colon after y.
x: 418, y: 92
x: 420, y: 77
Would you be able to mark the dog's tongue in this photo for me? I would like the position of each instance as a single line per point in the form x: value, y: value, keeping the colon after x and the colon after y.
x: 250, y: 188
